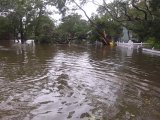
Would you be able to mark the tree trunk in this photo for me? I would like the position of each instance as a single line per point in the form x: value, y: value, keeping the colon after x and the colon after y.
x: 38, y: 21
x: 129, y: 35
x: 101, y: 35
x: 22, y: 31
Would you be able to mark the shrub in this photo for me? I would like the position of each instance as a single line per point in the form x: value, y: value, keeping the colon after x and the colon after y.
x: 153, y: 42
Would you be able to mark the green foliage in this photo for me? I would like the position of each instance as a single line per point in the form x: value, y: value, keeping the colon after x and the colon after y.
x: 25, y: 16
x: 104, y: 23
x: 142, y: 16
x: 153, y: 42
x: 4, y: 28
x: 155, y: 5
x: 29, y: 17
x: 45, y: 30
x: 72, y: 27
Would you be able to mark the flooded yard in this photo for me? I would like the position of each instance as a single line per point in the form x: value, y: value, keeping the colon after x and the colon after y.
x: 60, y: 82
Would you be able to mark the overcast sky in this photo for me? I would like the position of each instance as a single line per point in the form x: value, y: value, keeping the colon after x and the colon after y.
x: 89, y: 8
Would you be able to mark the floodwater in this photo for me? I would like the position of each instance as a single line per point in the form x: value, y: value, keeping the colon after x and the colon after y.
x: 61, y: 82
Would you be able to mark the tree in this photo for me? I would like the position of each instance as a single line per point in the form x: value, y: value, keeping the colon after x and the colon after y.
x: 110, y: 28
x: 140, y: 16
x: 4, y: 28
x: 22, y: 13
x: 101, y: 34
x: 72, y: 27
x: 45, y: 30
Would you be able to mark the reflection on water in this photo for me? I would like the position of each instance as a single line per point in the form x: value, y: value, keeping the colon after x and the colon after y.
x: 58, y: 82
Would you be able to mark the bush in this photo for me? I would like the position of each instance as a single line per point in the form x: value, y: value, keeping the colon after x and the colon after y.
x: 153, y: 42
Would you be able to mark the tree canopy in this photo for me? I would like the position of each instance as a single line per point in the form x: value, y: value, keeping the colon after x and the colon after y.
x: 30, y: 19
x: 140, y: 16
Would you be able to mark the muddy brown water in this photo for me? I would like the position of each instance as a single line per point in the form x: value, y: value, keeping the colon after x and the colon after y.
x: 60, y: 82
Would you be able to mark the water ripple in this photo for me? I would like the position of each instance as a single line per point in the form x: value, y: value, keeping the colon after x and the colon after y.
x: 60, y: 82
